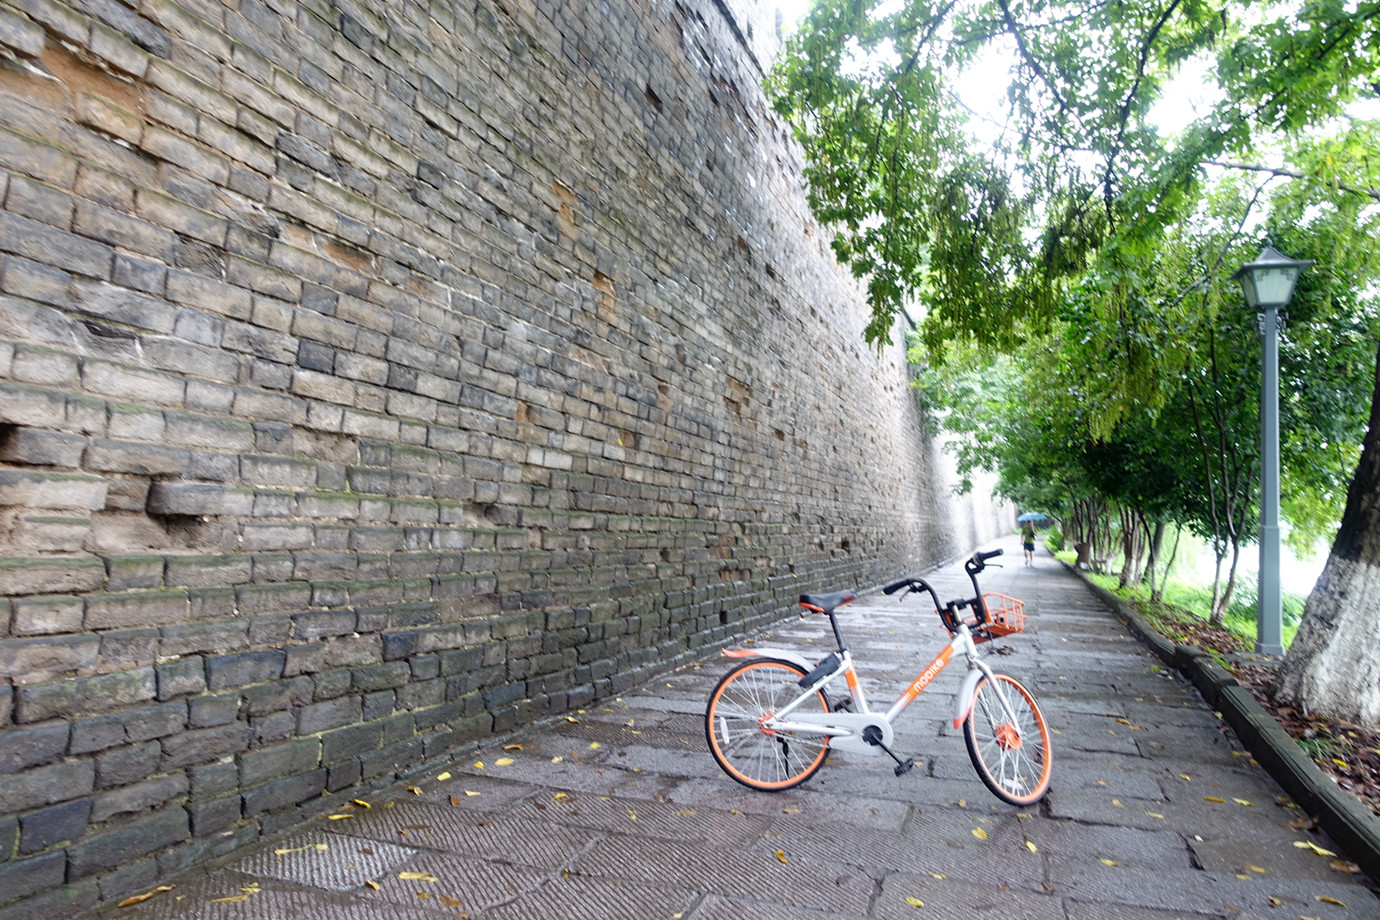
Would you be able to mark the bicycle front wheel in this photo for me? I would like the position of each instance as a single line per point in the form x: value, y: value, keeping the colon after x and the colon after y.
x: 735, y: 726
x: 1012, y: 758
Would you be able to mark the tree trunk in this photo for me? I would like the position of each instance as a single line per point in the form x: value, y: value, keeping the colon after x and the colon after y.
x: 1333, y: 667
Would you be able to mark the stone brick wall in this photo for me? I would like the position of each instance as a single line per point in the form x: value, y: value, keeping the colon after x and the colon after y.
x: 375, y: 378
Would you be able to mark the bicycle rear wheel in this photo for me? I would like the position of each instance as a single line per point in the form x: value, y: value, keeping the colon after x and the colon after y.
x: 1013, y: 759
x: 749, y: 752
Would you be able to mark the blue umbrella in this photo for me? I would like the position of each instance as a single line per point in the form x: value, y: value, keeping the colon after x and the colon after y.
x: 1032, y: 516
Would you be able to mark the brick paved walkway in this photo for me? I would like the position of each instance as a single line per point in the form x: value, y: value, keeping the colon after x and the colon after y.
x: 1154, y: 811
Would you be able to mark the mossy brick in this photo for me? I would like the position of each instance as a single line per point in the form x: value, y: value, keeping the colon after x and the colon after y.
x: 27, y: 746
x: 46, y: 785
x: 137, y: 797
x: 124, y: 844
x: 22, y: 577
x: 180, y: 677
x: 195, y: 638
x: 199, y: 499
x: 208, y: 571
x: 121, y: 647
x: 277, y: 472
x: 36, y: 447
x: 205, y: 432
x: 202, y: 745
x: 335, y: 506
x: 129, y: 763
x: 211, y: 603
x: 134, y: 572
x: 118, y: 610
x: 238, y: 669
x: 84, y: 696
x: 22, y: 877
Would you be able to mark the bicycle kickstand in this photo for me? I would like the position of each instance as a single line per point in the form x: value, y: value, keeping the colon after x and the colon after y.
x: 873, y: 735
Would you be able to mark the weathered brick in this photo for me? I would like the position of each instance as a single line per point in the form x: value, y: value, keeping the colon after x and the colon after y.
x: 35, y: 489
x: 49, y: 653
x: 23, y: 877
x: 128, y: 572
x: 52, y: 826
x: 127, y: 764
x: 290, y: 790
x: 132, y: 799
x: 216, y: 709
x: 141, y: 459
x: 32, y: 745
x: 35, y: 447
x: 84, y: 695
x: 215, y: 816
x: 132, y: 608
x: 323, y: 716
x: 45, y: 785
x: 208, y: 571
x: 46, y: 616
x: 194, y: 499
x: 204, y: 744
x: 278, y: 760
x: 180, y: 677
x: 119, y: 846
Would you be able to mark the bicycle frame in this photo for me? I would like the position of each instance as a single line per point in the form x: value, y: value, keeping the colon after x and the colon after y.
x: 846, y: 728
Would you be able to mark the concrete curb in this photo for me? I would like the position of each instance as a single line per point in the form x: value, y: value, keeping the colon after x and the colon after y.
x: 1338, y: 812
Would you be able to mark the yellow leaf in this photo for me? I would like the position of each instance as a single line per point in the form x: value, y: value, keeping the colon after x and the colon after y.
x: 417, y: 877
x: 572, y: 719
x: 338, y: 817
x: 939, y: 875
x: 374, y: 885
x: 512, y: 747
x: 1244, y: 878
x: 415, y: 790
x: 781, y: 856
x: 1213, y: 798
x: 1341, y: 763
x: 1031, y: 847
x: 595, y: 745
x: 1310, y: 845
x: 1155, y: 814
x: 233, y: 899
x: 979, y: 833
x: 1275, y: 902
x: 441, y: 778
x: 1256, y: 869
x: 914, y: 902
x: 1107, y: 862
x: 449, y: 901
x: 557, y: 759
x: 559, y: 796
x: 141, y: 898
x: 361, y: 803
x: 1117, y: 803
x: 1326, y: 900
x: 454, y: 800
x: 632, y: 815
x: 423, y: 895
x: 503, y: 762
x: 1185, y: 777
x: 1243, y: 802
x: 479, y: 764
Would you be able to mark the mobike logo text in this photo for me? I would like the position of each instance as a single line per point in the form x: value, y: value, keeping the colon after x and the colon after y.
x: 927, y: 675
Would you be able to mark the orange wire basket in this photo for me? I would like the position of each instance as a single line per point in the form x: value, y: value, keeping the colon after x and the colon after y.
x: 1005, y: 615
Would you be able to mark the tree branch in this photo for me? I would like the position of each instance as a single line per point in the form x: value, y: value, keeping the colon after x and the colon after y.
x: 1370, y: 193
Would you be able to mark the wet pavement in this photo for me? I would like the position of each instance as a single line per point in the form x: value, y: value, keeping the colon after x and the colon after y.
x: 618, y: 811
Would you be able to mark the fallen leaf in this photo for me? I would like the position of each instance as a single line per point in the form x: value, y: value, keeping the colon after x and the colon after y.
x: 449, y: 901
x: 1256, y: 869
x: 560, y: 796
x: 914, y: 902
x: 1107, y: 862
x: 684, y: 811
x: 479, y: 764
x: 1155, y: 814
x: 1342, y: 865
x: 512, y: 747
x: 361, y: 803
x: 572, y: 719
x: 1310, y: 845
x: 417, y: 877
x: 1031, y: 847
x: 1213, y: 798
x: 374, y: 885
x: 557, y: 759
x: 1185, y: 777
x: 939, y: 875
x: 1326, y: 900
x: 1275, y: 902
x: 454, y: 800
x: 338, y: 817
x: 503, y: 762
x: 595, y: 745
x: 1243, y: 802
x: 979, y: 833
x: 141, y: 898
x: 1117, y: 803
x: 423, y: 895
x: 441, y: 778
x: 780, y: 854
x: 415, y: 790
x: 233, y: 899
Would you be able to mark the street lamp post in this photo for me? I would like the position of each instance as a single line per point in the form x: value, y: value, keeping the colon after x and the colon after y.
x: 1268, y: 285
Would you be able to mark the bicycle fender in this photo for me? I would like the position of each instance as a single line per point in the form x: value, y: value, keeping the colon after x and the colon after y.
x: 780, y: 654
x: 963, y: 703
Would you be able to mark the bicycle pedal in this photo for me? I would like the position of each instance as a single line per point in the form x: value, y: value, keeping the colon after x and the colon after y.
x: 905, y: 766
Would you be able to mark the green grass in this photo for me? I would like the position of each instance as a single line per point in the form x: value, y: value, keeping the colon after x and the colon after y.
x: 1189, y: 601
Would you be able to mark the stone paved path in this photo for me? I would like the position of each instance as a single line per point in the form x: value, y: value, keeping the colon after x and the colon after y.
x: 619, y: 812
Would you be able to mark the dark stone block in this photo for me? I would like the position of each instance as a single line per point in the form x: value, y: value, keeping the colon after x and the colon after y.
x: 129, y: 764
x: 149, y: 722
x: 121, y: 845
x: 209, y: 781
x: 320, y: 717
x: 214, y: 816
x: 22, y: 877
x: 209, y: 711
x: 204, y: 744
x: 399, y: 645
x: 241, y: 668
x: 52, y: 826
x: 284, y: 792
x: 278, y: 760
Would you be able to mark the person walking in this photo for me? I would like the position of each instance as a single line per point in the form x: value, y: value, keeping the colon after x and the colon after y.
x: 1028, y: 541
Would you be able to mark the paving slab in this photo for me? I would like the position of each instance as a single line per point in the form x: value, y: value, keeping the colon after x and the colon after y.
x: 1155, y: 811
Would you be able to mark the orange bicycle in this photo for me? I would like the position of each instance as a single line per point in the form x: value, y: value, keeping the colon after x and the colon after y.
x: 770, y: 723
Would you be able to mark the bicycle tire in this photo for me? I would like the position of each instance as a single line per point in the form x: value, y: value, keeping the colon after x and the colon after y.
x: 754, y: 756
x: 1015, y: 766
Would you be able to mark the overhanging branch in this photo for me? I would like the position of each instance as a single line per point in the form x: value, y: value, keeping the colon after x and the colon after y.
x: 1370, y: 193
